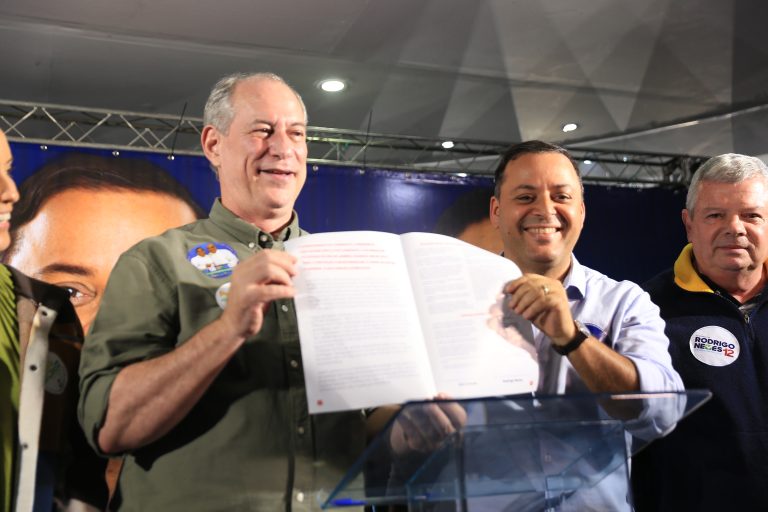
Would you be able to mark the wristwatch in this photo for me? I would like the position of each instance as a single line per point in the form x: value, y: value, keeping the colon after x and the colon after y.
x: 582, y: 333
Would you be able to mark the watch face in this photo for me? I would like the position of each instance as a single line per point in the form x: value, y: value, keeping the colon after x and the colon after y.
x: 583, y: 329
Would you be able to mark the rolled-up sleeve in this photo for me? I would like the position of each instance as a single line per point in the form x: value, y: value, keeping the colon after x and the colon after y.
x: 135, y: 322
x: 640, y: 337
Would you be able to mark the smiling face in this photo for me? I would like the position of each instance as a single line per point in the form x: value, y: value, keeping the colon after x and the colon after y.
x: 262, y: 158
x: 539, y: 212
x: 8, y: 192
x: 728, y: 228
x: 77, y: 236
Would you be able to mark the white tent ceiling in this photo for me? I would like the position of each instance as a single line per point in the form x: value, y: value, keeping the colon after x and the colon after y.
x: 629, y: 72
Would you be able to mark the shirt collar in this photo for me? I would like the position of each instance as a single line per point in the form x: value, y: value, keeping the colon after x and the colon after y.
x: 689, y: 279
x: 686, y: 276
x: 575, y: 282
x: 246, y: 232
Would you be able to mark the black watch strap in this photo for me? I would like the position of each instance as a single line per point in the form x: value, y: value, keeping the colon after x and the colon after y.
x: 582, y: 333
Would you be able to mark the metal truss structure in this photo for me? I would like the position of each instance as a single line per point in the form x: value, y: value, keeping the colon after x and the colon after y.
x: 63, y: 125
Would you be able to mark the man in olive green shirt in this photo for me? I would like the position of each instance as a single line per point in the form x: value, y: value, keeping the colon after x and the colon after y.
x: 195, y: 374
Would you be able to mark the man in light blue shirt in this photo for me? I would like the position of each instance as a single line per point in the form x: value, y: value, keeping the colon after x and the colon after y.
x: 592, y: 334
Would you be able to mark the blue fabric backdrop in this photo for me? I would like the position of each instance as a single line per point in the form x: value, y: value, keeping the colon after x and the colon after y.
x: 630, y: 233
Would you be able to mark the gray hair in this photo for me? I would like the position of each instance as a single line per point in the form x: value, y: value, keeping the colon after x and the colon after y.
x: 727, y: 168
x: 218, y: 109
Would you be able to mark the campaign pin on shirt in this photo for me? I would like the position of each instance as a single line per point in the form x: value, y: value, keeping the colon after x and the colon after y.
x: 596, y: 331
x: 213, y: 259
x: 714, y: 346
x: 56, y: 376
x: 222, y: 294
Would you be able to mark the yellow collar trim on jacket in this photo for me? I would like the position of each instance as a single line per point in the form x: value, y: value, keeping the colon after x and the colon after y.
x: 686, y: 276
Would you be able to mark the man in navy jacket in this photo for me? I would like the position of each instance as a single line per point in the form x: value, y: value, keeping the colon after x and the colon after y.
x: 714, y: 304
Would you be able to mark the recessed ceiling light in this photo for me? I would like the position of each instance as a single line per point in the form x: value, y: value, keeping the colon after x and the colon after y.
x: 448, y: 144
x: 332, y: 85
x: 569, y: 127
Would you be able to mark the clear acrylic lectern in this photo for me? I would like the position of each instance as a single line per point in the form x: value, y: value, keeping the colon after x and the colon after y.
x: 517, y: 453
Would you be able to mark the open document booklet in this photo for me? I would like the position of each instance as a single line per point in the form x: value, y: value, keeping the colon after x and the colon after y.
x: 384, y: 319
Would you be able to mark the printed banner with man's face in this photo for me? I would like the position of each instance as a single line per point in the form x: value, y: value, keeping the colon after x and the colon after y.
x: 80, y: 209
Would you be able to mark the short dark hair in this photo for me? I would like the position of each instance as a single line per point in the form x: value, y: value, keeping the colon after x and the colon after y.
x: 91, y: 172
x: 470, y: 208
x: 523, y: 148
